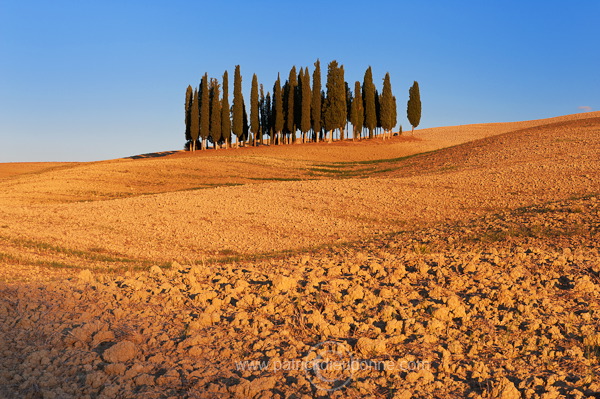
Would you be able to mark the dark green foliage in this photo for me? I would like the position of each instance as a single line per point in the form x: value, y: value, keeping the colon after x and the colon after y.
x: 358, y: 114
x: 254, y: 109
x: 335, y: 102
x: 387, y: 105
x: 238, y: 105
x: 277, y: 109
x: 293, y: 107
x: 215, y: 112
x: 225, y: 112
x: 189, y: 97
x: 305, y: 99
x: 413, y: 108
x: 369, y: 102
x: 194, y: 120
x: 204, y: 110
x: 316, y: 100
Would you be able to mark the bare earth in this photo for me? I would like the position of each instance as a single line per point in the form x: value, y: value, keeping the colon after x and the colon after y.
x: 470, y: 249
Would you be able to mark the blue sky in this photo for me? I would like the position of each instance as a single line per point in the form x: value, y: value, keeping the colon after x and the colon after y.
x: 90, y: 80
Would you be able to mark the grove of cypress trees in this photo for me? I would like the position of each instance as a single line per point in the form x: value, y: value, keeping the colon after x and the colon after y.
x: 335, y: 102
x: 369, y: 102
x: 238, y: 105
x: 315, y: 109
x: 254, y: 109
x: 358, y: 115
x: 226, y: 112
x: 215, y: 112
x: 413, y: 107
x: 277, y: 110
x: 387, y: 105
x: 189, y: 97
x: 194, y: 121
x: 204, y: 111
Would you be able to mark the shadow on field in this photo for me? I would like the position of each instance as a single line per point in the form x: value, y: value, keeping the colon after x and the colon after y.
x: 152, y: 155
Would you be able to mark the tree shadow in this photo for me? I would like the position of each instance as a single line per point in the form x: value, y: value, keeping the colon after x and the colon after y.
x: 152, y: 155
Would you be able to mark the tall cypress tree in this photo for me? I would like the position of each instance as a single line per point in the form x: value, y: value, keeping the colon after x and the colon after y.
x: 335, y: 102
x: 387, y: 104
x: 349, y: 97
x: 315, y: 109
x: 413, y: 108
x: 369, y: 102
x: 290, y: 96
x: 189, y: 97
x: 394, y: 114
x: 378, y: 112
x: 238, y: 105
x: 245, y: 127
x: 261, y: 113
x: 254, y: 109
x: 277, y: 110
x: 204, y: 111
x: 358, y: 115
x: 194, y: 121
x: 215, y: 112
x: 305, y: 99
x: 268, y: 125
x: 226, y: 112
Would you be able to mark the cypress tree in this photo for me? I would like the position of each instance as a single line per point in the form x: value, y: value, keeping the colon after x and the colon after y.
x: 204, y: 111
x: 387, y: 104
x: 322, y: 130
x: 215, y: 113
x: 358, y: 114
x: 238, y: 105
x: 335, y: 102
x: 262, y: 114
x: 394, y: 114
x: 245, y: 128
x: 378, y: 112
x: 369, y: 102
x: 254, y: 109
x: 290, y: 95
x: 277, y: 110
x: 189, y: 97
x: 194, y: 121
x: 306, y: 102
x: 225, y: 112
x: 349, y: 97
x: 413, y: 107
x: 268, y: 125
x: 343, y: 97
x: 315, y: 112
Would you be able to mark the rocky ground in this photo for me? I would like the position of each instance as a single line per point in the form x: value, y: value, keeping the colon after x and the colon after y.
x: 506, y: 305
x: 473, y: 271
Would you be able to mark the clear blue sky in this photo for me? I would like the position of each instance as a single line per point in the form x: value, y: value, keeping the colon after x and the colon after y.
x: 89, y: 80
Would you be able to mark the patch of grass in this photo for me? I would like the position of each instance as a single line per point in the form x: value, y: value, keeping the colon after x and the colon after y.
x: 422, y: 249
